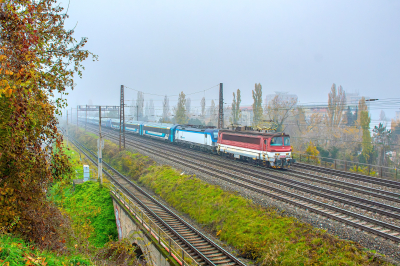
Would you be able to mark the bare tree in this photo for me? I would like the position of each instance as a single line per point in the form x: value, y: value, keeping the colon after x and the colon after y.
x: 140, y: 104
x: 165, y: 109
x: 382, y: 117
x: 151, y: 110
x: 279, y: 109
x: 213, y: 113
x: 147, y: 110
x: 132, y: 109
x: 257, y: 104
x: 203, y: 107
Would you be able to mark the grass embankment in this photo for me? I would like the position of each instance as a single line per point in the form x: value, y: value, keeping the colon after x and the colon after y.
x: 15, y: 251
x: 89, y: 206
x: 90, y: 226
x: 258, y: 233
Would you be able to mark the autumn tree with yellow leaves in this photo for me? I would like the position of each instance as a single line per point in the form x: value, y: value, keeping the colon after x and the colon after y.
x: 38, y: 58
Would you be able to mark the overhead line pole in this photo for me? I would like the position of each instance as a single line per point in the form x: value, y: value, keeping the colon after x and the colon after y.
x: 221, y: 107
x: 123, y: 112
x: 86, y: 119
x: 121, y: 116
x: 99, y: 153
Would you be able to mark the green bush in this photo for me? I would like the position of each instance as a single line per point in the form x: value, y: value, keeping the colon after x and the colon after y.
x: 15, y: 251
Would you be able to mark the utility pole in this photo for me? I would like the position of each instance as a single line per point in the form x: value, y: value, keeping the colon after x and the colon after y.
x: 221, y: 107
x: 123, y: 112
x: 77, y: 117
x: 100, y: 145
x: 86, y: 118
x: 137, y: 112
x: 71, y: 115
x: 121, y: 109
x: 67, y: 128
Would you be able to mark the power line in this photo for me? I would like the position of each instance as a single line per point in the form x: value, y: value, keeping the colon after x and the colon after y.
x: 173, y: 95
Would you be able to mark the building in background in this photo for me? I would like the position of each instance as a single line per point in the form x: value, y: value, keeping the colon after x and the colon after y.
x: 283, y: 96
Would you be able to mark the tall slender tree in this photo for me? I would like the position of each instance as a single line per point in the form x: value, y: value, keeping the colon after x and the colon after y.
x: 236, y: 112
x: 147, y: 110
x: 365, y: 120
x: 151, y: 110
x: 336, y: 105
x: 132, y: 109
x: 257, y: 105
x: 165, y: 113
x: 203, y: 107
x: 180, y: 110
x: 213, y: 113
x: 140, y: 105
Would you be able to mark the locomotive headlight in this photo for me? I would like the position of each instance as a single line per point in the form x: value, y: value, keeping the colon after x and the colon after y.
x: 287, y: 153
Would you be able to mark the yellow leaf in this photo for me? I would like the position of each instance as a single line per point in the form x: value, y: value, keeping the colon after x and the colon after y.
x: 8, y: 92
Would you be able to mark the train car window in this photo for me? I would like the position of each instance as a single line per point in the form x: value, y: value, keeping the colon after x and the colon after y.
x: 276, y: 141
x: 129, y: 126
x: 286, y: 141
x: 156, y: 129
x: 241, y: 139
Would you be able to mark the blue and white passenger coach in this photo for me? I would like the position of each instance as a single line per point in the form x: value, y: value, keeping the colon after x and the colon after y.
x: 133, y: 127
x: 204, y: 138
x: 159, y: 130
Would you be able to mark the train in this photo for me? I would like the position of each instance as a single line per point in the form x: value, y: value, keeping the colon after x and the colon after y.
x: 262, y: 148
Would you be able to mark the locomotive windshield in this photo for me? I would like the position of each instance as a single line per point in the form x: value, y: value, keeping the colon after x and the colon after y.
x: 276, y: 141
x: 279, y: 141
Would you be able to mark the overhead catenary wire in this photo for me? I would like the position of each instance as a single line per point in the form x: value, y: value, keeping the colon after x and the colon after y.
x: 173, y: 95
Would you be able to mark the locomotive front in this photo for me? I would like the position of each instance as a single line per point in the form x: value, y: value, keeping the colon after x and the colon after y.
x: 278, y: 150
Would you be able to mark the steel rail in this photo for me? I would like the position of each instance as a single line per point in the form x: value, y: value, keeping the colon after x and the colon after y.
x: 312, y: 189
x: 326, y: 206
x: 387, y: 195
x: 359, y: 177
x: 224, y: 252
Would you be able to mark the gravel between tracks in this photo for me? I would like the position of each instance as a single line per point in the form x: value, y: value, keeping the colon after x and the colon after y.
x: 370, y: 241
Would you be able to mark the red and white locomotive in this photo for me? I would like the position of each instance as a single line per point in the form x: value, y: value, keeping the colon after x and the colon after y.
x: 269, y: 149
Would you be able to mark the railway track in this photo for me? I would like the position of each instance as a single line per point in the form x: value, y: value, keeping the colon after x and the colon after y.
x: 201, y: 248
x: 377, y: 227
x: 354, y: 176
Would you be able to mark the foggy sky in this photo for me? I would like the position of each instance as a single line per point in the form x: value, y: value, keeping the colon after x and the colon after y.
x: 299, y: 47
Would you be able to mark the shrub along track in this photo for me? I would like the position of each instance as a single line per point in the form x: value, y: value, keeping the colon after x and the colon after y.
x: 181, y: 156
x: 201, y: 248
